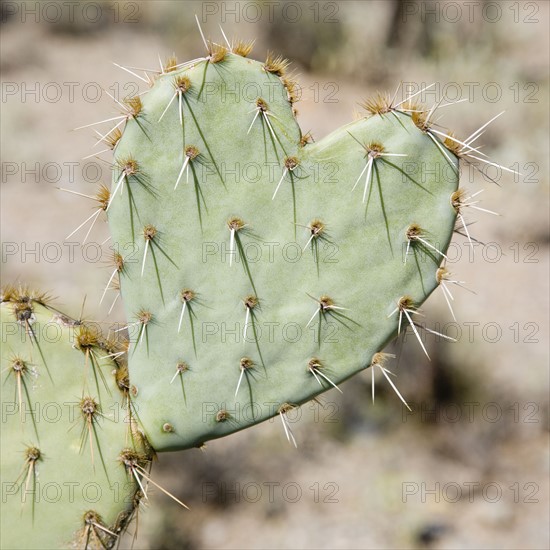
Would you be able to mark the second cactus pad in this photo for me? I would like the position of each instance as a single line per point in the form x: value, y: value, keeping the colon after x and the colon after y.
x: 72, y: 453
x: 259, y: 269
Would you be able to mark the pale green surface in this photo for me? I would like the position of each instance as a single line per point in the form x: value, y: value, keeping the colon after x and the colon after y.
x: 366, y: 274
x: 66, y: 484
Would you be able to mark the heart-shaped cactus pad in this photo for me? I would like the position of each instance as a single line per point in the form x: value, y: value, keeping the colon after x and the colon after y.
x: 259, y: 268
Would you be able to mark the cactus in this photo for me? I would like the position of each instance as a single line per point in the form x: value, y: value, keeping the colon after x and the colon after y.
x: 258, y: 269
x: 67, y: 446
x: 263, y: 269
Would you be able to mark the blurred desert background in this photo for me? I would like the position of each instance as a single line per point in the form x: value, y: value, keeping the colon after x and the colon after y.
x: 473, y: 472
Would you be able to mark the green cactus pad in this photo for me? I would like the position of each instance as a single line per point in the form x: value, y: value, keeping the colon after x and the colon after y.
x: 65, y: 431
x: 258, y: 260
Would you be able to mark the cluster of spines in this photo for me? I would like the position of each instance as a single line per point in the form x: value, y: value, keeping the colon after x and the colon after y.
x: 423, y: 119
